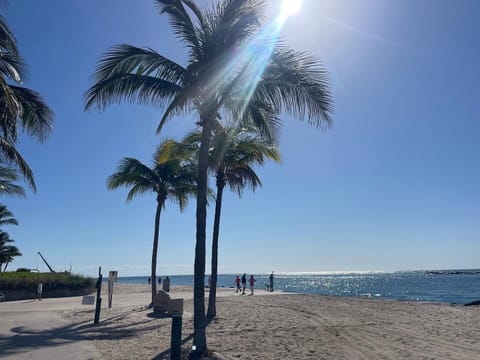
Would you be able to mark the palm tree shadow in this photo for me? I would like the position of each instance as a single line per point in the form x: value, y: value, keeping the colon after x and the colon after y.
x: 164, y: 355
x: 24, y: 338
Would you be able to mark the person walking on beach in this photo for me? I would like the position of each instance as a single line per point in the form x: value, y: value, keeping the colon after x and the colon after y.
x: 237, y: 282
x: 149, y: 280
x: 251, y: 282
x: 159, y: 280
x: 244, y: 283
x: 39, y: 291
x: 271, y: 282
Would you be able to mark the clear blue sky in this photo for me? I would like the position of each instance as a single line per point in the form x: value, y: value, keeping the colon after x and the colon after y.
x: 394, y: 185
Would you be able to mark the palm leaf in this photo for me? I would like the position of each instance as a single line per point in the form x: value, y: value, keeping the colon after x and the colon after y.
x: 296, y: 83
x: 9, y: 51
x: 36, y: 117
x: 126, y: 59
x: 182, y: 24
x: 10, y: 155
x: 141, y: 89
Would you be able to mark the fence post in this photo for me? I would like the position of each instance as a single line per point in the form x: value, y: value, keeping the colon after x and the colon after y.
x: 99, y: 299
x: 176, y: 339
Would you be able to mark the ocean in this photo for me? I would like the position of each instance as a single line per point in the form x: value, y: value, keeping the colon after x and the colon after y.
x: 447, y: 286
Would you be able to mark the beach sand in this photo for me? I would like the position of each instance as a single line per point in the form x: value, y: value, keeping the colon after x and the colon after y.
x: 288, y: 326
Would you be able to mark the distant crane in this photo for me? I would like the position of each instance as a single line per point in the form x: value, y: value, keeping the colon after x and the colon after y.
x: 45, y: 261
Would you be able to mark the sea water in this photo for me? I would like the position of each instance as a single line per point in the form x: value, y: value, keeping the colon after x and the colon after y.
x: 447, y: 286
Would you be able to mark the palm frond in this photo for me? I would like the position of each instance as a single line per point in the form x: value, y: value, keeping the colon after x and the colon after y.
x: 127, y: 59
x: 234, y: 21
x: 242, y: 177
x: 10, y: 156
x: 182, y: 24
x: 36, y: 117
x: 8, y: 47
x: 142, y: 186
x: 296, y: 83
x: 130, y: 172
x: 132, y: 88
x: 6, y: 217
x: 177, y: 106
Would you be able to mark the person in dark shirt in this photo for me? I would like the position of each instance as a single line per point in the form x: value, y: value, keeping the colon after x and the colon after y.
x: 244, y: 283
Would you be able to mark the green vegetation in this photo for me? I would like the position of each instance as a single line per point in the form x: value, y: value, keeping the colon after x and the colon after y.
x: 28, y: 281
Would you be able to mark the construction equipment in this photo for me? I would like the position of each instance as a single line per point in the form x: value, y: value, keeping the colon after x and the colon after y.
x: 45, y: 261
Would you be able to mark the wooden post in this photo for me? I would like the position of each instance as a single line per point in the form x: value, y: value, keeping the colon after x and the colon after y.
x: 99, y: 299
x: 176, y: 337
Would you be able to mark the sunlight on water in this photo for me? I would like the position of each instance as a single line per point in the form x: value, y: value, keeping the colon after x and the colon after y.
x: 413, y: 285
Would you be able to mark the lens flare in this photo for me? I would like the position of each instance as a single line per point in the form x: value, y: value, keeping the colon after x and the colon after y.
x: 290, y: 7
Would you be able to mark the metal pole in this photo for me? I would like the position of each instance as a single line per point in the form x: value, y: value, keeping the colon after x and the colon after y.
x: 99, y: 299
x: 110, y: 292
x: 176, y: 340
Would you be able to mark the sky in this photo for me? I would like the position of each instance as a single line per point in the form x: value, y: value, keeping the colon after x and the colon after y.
x: 392, y: 185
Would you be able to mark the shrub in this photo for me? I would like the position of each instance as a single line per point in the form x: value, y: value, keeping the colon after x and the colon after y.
x: 54, y: 281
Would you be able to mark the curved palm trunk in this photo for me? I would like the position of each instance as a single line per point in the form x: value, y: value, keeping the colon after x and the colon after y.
x: 212, y: 309
x: 199, y: 321
x: 5, y: 268
x: 155, y: 250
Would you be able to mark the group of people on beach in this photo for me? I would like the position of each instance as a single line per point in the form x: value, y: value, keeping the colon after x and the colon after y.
x: 251, y: 283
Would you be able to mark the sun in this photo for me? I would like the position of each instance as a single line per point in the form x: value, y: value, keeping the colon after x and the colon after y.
x: 290, y: 7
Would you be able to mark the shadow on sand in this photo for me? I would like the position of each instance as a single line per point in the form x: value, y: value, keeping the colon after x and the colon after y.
x: 164, y: 355
x: 25, y: 339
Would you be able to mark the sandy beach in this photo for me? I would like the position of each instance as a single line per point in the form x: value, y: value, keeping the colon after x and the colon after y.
x: 265, y: 326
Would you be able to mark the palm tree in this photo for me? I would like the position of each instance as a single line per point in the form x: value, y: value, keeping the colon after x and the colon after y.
x: 7, y: 254
x: 233, y: 153
x: 167, y: 178
x: 229, y: 57
x: 19, y: 106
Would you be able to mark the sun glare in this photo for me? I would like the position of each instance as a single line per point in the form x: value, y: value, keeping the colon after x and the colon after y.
x: 290, y: 7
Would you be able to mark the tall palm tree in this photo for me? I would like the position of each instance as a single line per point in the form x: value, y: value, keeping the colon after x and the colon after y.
x: 229, y: 57
x: 167, y: 178
x: 19, y: 106
x: 233, y: 154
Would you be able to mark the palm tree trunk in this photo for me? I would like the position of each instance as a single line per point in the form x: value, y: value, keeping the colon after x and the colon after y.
x: 5, y: 268
x: 155, y: 250
x: 199, y: 321
x: 212, y: 309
